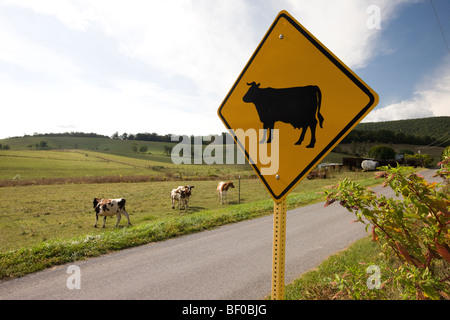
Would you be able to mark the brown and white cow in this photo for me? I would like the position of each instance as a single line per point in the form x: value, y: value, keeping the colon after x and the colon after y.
x: 222, y: 190
x: 108, y: 208
x: 181, y: 195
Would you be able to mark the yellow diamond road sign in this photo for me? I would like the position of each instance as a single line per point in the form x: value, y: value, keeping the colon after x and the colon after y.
x: 298, y: 100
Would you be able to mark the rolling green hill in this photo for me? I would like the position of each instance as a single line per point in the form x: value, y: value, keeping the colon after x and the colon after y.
x: 85, y: 157
x: 435, y: 127
x: 102, y: 145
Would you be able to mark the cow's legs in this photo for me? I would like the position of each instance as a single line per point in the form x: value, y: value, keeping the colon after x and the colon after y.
x: 264, y: 135
x: 96, y: 219
x: 118, y: 215
x: 104, y: 221
x: 267, y: 133
x: 312, y: 126
x: 127, y: 216
x: 302, y: 136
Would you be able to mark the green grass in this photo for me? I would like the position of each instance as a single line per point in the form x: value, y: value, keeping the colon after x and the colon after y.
x: 344, y: 276
x: 318, y: 284
x: 31, y: 214
x: 38, y: 165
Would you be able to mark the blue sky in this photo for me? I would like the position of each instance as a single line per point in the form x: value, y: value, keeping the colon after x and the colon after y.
x: 166, y: 66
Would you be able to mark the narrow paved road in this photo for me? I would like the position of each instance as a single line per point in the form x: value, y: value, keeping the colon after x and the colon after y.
x: 230, y: 262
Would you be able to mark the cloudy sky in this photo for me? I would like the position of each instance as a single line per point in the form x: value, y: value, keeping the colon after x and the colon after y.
x: 133, y: 66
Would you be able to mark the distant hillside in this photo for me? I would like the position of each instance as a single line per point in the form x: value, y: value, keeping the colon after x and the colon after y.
x: 155, y: 150
x: 435, y: 127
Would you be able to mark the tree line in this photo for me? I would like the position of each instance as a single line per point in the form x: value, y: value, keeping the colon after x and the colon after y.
x: 434, y: 127
x: 360, y: 136
x: 165, y: 138
x: 386, y: 136
x: 424, y: 131
x: 68, y: 134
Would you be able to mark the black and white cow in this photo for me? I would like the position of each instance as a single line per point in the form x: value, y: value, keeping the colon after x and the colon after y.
x: 108, y: 208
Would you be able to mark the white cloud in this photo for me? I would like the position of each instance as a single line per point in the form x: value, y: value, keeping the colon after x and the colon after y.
x: 75, y: 14
x: 342, y: 26
x: 194, y: 51
x: 431, y: 98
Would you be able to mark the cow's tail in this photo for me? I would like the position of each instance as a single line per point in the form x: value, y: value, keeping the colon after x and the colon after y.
x: 319, y: 102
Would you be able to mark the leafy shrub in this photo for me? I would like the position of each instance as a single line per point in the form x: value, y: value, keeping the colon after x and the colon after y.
x: 446, y: 153
x: 414, y: 228
x: 382, y: 152
x: 424, y: 158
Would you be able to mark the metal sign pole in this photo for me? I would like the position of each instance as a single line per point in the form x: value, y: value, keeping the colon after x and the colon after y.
x: 278, y: 256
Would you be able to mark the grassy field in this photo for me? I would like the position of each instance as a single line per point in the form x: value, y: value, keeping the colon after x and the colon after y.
x: 45, y: 225
x: 20, y: 165
x: 48, y: 219
x: 31, y: 214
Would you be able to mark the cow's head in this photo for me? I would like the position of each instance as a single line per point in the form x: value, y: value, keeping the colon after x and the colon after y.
x: 96, y: 201
x: 188, y: 189
x: 252, y: 92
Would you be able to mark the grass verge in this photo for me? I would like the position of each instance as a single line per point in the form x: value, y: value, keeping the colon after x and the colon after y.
x: 320, y: 283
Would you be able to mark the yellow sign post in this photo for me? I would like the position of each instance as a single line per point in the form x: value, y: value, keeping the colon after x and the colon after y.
x: 278, y: 254
x: 291, y: 105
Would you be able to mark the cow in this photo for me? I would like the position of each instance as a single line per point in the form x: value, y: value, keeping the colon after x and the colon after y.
x: 222, y: 190
x: 177, y: 195
x: 298, y: 106
x: 181, y: 195
x: 188, y: 193
x: 108, y: 208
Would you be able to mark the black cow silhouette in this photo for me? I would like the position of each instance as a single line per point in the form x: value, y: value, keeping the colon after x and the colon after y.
x: 297, y: 106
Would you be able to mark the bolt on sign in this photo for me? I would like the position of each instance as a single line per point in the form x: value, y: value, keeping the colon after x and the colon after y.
x: 296, y: 94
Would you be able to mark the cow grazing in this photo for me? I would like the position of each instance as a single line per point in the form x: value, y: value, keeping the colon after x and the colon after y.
x: 298, y: 106
x: 108, y: 208
x: 181, y: 195
x: 222, y: 190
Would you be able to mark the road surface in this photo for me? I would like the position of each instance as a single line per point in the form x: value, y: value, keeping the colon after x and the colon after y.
x: 230, y: 262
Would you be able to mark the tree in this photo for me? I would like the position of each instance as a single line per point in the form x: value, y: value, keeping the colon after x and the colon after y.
x: 124, y: 136
x: 382, y: 152
x: 167, y: 150
x: 143, y: 149
x: 43, y: 144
